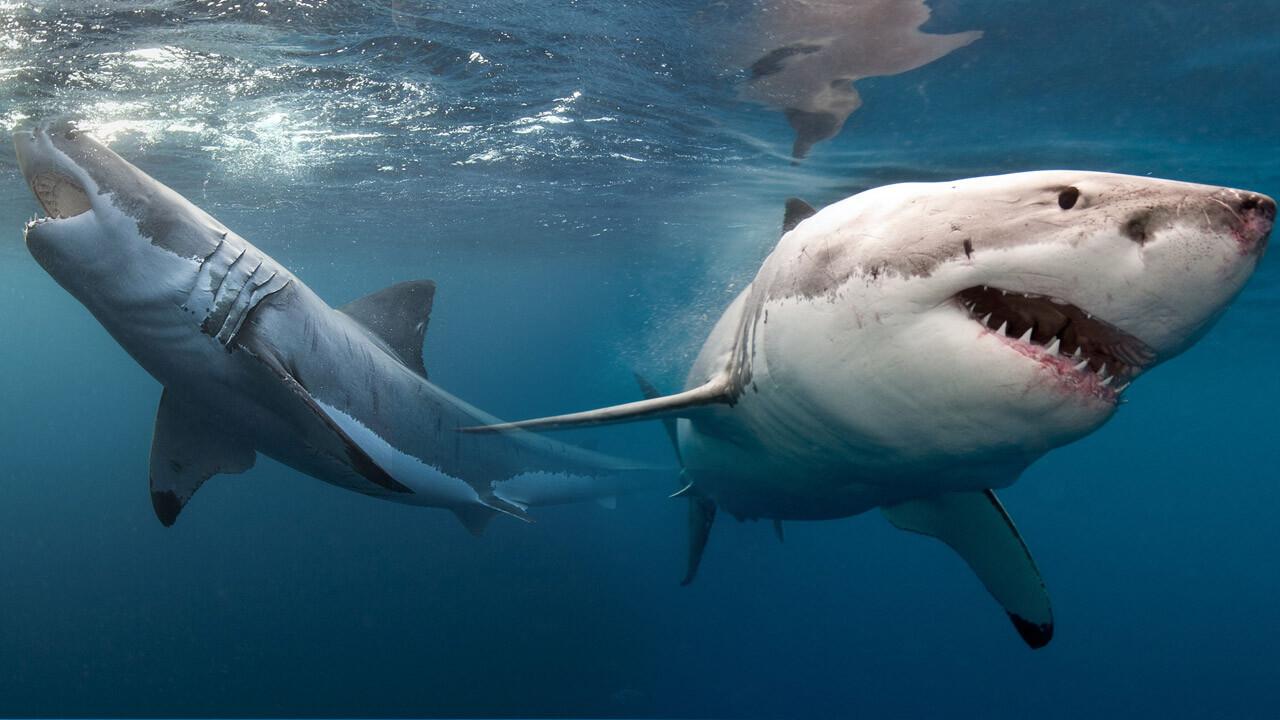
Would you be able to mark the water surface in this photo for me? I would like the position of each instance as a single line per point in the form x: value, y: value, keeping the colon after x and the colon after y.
x: 589, y: 184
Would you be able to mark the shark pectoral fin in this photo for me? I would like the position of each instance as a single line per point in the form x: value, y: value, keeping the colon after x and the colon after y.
x: 702, y: 514
x: 797, y: 211
x: 717, y: 391
x: 186, y: 450
x: 353, y: 455
x: 976, y: 526
x: 356, y: 457
x: 398, y: 315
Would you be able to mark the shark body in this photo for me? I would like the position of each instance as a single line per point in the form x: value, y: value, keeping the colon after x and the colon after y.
x: 915, y: 347
x: 253, y: 361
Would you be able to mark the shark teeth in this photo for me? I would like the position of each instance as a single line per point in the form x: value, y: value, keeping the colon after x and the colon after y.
x: 1097, y: 354
x: 37, y: 220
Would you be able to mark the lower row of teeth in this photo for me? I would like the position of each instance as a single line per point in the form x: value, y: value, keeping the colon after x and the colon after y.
x: 1053, y: 351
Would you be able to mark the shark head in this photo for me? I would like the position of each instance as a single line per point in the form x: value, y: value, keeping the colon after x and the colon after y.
x: 104, y: 218
x: 999, y: 314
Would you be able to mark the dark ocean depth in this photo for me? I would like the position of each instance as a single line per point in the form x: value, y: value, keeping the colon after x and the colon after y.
x: 589, y: 188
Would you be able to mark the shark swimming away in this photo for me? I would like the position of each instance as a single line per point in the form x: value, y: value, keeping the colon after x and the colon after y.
x: 252, y: 361
x: 916, y: 346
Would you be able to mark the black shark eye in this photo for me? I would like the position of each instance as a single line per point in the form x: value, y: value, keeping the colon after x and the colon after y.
x: 1067, y: 198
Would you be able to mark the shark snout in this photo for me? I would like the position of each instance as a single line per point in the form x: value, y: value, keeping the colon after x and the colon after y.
x: 1254, y: 216
x: 1259, y: 214
x: 57, y: 184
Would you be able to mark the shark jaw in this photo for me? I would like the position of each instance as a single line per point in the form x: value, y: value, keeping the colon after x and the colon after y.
x: 59, y: 196
x: 1085, y: 354
x: 917, y: 346
x: 55, y: 180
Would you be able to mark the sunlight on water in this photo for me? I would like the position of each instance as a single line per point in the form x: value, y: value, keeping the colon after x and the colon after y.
x: 590, y: 184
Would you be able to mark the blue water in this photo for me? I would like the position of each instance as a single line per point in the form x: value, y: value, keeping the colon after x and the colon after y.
x: 588, y: 190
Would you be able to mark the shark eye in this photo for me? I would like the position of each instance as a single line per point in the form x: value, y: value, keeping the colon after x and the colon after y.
x: 1067, y: 198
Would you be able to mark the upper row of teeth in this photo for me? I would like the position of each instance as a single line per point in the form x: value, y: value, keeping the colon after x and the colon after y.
x: 1035, y: 296
x: 1053, y: 350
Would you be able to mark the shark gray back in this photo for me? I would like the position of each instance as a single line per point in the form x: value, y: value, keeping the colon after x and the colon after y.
x: 253, y: 361
x: 915, y: 347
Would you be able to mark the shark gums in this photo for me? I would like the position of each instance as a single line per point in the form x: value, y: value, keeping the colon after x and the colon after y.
x: 915, y: 347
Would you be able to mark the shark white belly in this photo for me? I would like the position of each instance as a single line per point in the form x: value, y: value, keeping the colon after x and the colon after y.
x: 253, y: 361
x: 916, y: 346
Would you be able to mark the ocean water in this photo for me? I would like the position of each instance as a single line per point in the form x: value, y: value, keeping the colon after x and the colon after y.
x: 589, y: 185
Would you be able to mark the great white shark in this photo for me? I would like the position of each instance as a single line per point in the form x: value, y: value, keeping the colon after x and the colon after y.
x: 252, y: 361
x: 916, y: 346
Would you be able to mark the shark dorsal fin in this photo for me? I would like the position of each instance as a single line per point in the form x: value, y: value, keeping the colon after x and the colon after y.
x: 398, y: 315
x: 796, y: 212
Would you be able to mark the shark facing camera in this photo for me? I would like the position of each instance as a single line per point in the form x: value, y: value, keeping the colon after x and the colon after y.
x: 916, y: 346
x: 912, y: 348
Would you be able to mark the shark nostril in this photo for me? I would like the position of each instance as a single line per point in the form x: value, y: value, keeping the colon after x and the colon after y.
x: 1258, y: 204
x: 1255, y: 215
x: 1136, y: 229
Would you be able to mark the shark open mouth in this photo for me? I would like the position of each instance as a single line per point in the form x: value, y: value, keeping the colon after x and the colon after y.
x: 1088, y: 352
x: 59, y: 195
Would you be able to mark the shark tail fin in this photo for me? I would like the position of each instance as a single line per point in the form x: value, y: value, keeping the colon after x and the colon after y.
x: 719, y: 390
x: 702, y: 509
